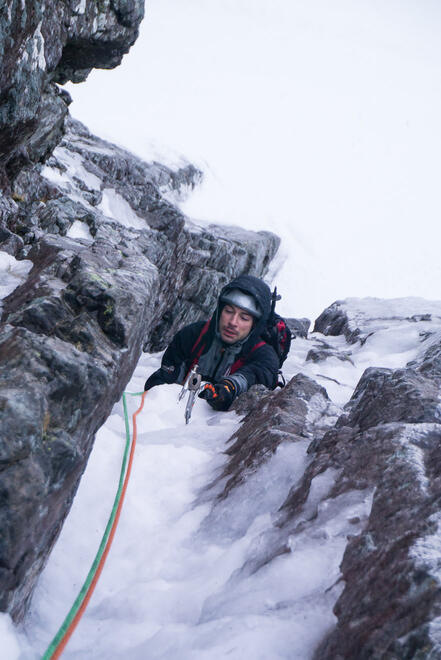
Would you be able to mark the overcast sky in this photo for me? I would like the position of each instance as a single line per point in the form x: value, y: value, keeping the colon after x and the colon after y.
x: 317, y: 120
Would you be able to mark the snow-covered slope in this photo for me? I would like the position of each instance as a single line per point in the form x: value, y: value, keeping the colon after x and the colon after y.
x: 178, y: 581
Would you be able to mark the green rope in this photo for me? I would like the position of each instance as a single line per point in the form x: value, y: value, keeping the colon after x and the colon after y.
x: 82, y: 594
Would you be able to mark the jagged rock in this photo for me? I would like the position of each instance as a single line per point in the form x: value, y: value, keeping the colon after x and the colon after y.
x: 42, y: 41
x: 299, y: 327
x: 382, y: 458
x: 250, y: 400
x: 323, y: 351
x: 386, y: 395
x: 9, y: 242
x: 429, y: 364
x: 72, y: 334
x: 358, y: 318
x: 287, y: 415
x: 387, y: 443
x: 392, y: 591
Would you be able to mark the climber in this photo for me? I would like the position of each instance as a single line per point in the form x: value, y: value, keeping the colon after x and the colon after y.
x: 227, y: 348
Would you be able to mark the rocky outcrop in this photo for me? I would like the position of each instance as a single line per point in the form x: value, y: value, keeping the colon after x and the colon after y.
x: 299, y: 327
x: 44, y: 42
x: 389, y: 440
x: 115, y: 267
x: 373, y: 478
x: 359, y: 318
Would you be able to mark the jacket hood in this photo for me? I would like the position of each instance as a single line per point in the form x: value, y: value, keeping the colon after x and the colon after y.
x: 261, y: 293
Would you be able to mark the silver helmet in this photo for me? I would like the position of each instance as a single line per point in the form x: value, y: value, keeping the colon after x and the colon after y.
x: 243, y: 300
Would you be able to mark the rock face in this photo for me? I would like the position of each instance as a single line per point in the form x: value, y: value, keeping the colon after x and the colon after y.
x: 43, y: 42
x: 379, y: 456
x: 115, y: 267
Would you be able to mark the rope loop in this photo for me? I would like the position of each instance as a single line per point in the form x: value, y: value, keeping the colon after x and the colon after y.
x: 59, y: 642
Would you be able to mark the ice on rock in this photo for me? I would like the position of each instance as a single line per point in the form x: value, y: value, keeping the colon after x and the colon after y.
x: 263, y: 492
x: 427, y: 550
x: 114, y: 206
x: 80, y: 230
x: 71, y: 168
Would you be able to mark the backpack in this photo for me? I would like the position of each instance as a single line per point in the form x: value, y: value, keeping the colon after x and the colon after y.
x: 278, y: 335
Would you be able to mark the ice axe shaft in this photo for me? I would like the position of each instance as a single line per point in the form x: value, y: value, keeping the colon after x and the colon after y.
x: 191, y: 385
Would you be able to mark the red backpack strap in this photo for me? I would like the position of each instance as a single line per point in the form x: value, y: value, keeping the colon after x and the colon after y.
x: 195, y: 353
x: 242, y: 360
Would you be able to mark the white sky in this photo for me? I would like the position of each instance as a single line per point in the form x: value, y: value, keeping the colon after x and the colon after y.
x: 317, y: 120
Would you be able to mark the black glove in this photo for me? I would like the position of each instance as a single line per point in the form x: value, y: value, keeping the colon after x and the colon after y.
x: 161, y: 377
x: 220, y: 396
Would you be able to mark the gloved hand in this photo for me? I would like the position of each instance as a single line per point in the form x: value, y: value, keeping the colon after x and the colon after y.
x: 165, y: 374
x: 220, y: 396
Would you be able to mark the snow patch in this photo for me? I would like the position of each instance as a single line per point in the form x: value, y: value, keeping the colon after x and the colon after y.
x: 74, y: 168
x: 381, y: 311
x: 81, y: 7
x: 114, y: 206
x: 264, y: 490
x: 12, y: 273
x: 80, y: 230
x: 10, y: 646
x: 38, y: 56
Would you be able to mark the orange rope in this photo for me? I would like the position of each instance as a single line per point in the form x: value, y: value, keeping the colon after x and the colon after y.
x: 62, y: 645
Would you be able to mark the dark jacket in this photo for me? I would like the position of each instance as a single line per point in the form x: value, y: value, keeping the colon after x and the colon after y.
x: 248, y: 363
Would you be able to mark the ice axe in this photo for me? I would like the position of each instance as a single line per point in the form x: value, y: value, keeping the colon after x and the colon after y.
x: 191, y: 385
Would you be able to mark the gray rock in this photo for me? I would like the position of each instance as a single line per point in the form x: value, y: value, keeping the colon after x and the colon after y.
x: 385, y: 395
x: 323, y: 351
x: 42, y: 41
x: 72, y: 334
x: 299, y: 327
x: 272, y: 418
x: 391, y: 592
x: 10, y: 242
x: 358, y: 318
x: 383, y: 448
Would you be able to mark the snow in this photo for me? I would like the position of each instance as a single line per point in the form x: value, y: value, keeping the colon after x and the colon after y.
x: 371, y: 314
x: 114, y: 206
x: 71, y: 168
x: 80, y: 230
x: 177, y: 583
x: 81, y: 7
x: 190, y: 576
x: 10, y: 645
x: 38, y: 56
x: 12, y: 273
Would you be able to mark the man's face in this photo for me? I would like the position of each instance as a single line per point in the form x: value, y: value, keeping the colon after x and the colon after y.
x: 234, y: 324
